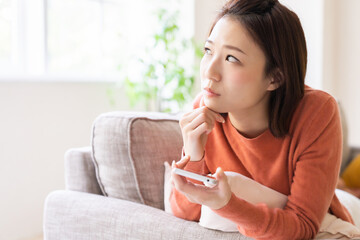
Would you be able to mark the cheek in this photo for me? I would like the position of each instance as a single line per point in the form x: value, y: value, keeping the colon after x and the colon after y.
x: 237, y: 79
x: 241, y: 85
x: 243, y: 78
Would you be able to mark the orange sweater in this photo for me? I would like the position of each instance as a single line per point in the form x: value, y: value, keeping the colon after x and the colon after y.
x: 304, y: 165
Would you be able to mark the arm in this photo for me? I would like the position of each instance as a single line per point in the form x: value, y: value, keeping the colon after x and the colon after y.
x: 180, y: 204
x: 195, y: 127
x: 80, y: 171
x: 314, y: 180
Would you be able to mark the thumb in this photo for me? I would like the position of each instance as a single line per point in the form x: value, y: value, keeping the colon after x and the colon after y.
x: 220, y: 175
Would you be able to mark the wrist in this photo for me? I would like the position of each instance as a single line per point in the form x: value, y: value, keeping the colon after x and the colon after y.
x: 196, y: 160
x: 193, y: 159
x: 223, y: 202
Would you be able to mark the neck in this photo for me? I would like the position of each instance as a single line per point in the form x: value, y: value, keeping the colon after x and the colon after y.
x: 251, y: 122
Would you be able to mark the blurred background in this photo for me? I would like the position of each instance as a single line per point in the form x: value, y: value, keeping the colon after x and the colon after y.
x: 64, y: 62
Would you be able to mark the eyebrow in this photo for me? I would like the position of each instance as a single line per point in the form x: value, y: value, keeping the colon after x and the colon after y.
x: 229, y: 47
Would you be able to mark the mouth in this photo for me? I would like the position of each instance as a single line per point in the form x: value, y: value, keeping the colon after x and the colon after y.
x: 210, y: 93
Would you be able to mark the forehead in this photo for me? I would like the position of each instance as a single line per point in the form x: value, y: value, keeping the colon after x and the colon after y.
x: 228, y: 28
x: 229, y: 31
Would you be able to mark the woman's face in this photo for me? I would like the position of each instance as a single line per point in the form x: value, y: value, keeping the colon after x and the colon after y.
x: 233, y: 68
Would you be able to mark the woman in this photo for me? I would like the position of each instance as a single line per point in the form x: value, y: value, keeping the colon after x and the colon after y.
x: 256, y: 117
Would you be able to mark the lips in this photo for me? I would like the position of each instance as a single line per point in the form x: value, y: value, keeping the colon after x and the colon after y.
x: 210, y: 92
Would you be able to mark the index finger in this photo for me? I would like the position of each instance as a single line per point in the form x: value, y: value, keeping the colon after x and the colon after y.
x: 188, y: 117
x: 182, y: 162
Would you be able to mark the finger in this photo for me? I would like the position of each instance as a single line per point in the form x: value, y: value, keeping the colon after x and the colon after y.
x: 191, y: 116
x: 196, y: 193
x: 203, y: 128
x: 189, y: 189
x: 188, y: 117
x: 218, y: 116
x: 181, y: 163
x: 201, y: 118
x: 178, y: 181
x: 219, y: 173
x: 221, y: 177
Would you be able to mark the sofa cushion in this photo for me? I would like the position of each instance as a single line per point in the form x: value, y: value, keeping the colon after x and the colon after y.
x: 129, y: 150
x: 74, y: 215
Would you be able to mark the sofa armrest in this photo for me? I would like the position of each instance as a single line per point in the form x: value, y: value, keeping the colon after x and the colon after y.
x: 80, y: 171
x: 75, y: 215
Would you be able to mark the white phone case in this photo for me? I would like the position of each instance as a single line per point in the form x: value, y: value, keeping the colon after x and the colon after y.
x: 206, y: 180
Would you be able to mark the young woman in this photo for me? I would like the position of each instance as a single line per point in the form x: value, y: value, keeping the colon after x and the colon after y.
x: 256, y: 117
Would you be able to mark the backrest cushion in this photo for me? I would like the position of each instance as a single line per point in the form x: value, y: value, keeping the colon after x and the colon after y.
x: 129, y: 150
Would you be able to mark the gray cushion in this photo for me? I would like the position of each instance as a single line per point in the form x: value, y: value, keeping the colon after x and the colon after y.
x: 80, y: 216
x: 129, y: 150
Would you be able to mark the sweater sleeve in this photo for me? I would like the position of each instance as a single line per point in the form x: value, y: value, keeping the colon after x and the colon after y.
x: 314, y: 180
x: 180, y: 205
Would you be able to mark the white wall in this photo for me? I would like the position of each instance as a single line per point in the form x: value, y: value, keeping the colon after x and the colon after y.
x: 205, y: 13
x: 40, y: 121
x: 346, y: 63
x: 311, y: 15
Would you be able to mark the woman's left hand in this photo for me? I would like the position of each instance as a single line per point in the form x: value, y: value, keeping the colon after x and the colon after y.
x: 214, y: 197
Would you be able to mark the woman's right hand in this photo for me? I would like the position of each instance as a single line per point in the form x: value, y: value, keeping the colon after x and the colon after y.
x: 195, y: 127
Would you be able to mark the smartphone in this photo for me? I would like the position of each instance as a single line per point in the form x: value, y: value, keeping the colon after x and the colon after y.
x: 208, y: 181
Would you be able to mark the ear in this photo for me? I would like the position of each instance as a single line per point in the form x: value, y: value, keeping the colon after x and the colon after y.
x: 276, y: 79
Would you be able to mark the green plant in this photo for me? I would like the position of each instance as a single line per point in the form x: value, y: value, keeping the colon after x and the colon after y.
x: 166, y: 84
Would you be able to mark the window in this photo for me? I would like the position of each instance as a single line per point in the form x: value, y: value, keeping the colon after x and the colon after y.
x: 6, y: 46
x: 77, y: 39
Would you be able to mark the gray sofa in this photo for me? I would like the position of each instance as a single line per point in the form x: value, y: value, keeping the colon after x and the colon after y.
x: 114, y: 188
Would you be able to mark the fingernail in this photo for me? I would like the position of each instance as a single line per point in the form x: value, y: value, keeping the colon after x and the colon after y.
x: 173, y: 163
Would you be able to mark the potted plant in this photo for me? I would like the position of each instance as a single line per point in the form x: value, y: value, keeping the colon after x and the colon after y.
x: 165, y: 84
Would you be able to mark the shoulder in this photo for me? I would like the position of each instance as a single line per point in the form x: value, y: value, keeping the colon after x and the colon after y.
x: 316, y: 109
x: 314, y: 98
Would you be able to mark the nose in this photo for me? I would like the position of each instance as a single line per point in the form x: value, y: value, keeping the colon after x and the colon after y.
x: 213, y: 70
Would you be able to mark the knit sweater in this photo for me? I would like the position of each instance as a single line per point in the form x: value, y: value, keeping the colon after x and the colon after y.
x: 304, y: 165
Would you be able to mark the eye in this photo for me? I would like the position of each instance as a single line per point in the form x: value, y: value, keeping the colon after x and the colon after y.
x: 231, y: 58
x: 207, y: 50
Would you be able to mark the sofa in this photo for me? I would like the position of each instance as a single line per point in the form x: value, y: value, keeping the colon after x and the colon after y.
x: 115, y: 187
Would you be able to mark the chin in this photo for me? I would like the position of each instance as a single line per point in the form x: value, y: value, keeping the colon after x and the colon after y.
x: 213, y: 105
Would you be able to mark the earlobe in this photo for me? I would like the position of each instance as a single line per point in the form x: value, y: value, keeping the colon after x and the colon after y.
x: 273, y: 85
x: 276, y: 80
